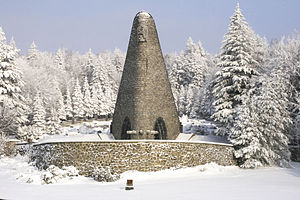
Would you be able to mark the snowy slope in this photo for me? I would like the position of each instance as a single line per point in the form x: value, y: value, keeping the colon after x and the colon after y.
x: 203, y: 182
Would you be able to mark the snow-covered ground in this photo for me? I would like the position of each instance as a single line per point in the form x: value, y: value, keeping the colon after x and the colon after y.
x: 201, y: 130
x: 87, y: 131
x: 193, y: 130
x: 203, y: 182
x: 20, y: 180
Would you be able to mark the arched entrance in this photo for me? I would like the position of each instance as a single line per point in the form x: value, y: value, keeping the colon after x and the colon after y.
x: 125, y: 127
x: 160, y: 126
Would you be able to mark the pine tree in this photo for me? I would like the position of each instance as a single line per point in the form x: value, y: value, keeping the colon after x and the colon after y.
x: 259, y: 135
x: 95, y: 101
x: 12, y: 43
x: 77, y: 100
x: 39, y: 115
x: 61, y: 112
x: 195, y: 62
x: 32, y: 52
x: 98, y: 84
x: 87, y: 101
x: 60, y: 59
x: 189, y: 99
x: 12, y: 103
x: 90, y: 66
x: 237, y: 68
x: 188, y: 70
x: 53, y: 123
x: 68, y: 105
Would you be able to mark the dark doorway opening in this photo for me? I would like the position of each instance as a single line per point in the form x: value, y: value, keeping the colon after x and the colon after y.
x: 126, y: 127
x: 160, y: 126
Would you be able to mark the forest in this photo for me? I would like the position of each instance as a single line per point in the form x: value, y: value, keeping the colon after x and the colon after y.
x: 251, y: 89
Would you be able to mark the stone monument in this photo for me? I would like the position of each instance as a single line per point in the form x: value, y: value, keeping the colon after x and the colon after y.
x: 145, y: 107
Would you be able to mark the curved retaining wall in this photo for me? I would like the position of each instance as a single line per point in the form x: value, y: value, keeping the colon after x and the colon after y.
x: 122, y: 156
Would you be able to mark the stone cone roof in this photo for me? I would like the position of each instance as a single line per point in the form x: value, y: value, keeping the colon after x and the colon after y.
x: 145, y: 93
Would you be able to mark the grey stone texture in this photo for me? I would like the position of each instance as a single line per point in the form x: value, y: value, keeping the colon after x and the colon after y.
x: 124, y: 155
x: 145, y: 93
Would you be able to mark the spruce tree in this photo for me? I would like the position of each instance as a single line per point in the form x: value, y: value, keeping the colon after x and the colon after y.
x: 12, y: 43
x: 68, y: 105
x: 87, y: 101
x: 90, y: 66
x: 237, y: 68
x: 53, y: 123
x: 60, y: 59
x: 12, y: 102
x: 98, y: 85
x: 32, y: 52
x: 195, y: 62
x: 95, y: 101
x: 39, y: 116
x: 259, y: 134
x: 61, y: 112
x: 77, y: 100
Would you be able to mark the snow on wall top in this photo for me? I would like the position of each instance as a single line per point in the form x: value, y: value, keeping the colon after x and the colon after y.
x: 77, y: 140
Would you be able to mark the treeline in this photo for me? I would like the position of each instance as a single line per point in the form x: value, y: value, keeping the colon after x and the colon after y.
x: 251, y: 89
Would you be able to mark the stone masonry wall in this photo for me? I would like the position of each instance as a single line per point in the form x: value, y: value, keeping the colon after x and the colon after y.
x: 122, y: 156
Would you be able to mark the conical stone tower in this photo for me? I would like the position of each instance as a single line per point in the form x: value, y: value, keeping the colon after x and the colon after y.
x: 145, y: 107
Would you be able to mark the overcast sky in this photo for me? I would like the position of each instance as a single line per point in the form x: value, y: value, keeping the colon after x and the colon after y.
x: 104, y: 25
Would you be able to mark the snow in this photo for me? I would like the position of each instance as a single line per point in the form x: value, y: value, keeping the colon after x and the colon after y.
x: 82, y: 132
x: 143, y: 14
x: 194, y: 130
x: 208, y: 181
x: 199, y: 130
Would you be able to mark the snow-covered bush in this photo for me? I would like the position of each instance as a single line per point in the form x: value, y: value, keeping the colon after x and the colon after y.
x: 105, y: 175
x: 53, y: 174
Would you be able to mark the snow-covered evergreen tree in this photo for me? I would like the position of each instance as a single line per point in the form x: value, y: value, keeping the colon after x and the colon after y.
x: 12, y: 43
x: 61, y: 112
x: 259, y: 134
x: 118, y: 61
x: 39, y: 116
x: 237, y: 68
x: 98, y: 83
x: 53, y: 123
x: 12, y: 102
x: 87, y: 101
x: 89, y: 66
x: 195, y: 62
x: 189, y: 69
x: 95, y: 101
x: 77, y: 100
x: 68, y: 105
x: 60, y: 59
x: 32, y: 52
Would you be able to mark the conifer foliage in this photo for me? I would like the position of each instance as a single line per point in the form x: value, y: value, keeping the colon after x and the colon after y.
x: 87, y: 106
x: 12, y: 102
x: 259, y: 135
x: 68, y: 105
x: 187, y: 76
x: 77, y: 100
x: 39, y: 116
x: 237, y: 69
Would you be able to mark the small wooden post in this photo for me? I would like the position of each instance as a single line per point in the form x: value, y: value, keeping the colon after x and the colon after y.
x: 129, y: 184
